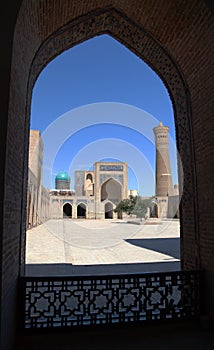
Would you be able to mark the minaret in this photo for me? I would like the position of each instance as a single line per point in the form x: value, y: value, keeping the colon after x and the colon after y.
x: 163, y: 169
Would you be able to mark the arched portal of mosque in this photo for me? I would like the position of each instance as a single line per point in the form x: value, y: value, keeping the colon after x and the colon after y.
x: 111, y: 190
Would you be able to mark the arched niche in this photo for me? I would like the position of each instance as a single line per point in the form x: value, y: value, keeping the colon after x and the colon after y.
x: 67, y: 211
x: 81, y: 211
x: 111, y: 190
x: 116, y: 24
x: 108, y: 210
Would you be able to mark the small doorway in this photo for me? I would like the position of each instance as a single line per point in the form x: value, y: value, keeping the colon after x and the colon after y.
x: 154, y: 211
x: 81, y: 211
x: 108, y: 211
x: 67, y: 211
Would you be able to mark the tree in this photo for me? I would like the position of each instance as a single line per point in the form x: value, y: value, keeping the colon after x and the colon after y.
x: 141, y: 206
x: 134, y: 205
x: 126, y: 205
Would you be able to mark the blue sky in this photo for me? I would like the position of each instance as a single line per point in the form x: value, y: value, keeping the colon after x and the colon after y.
x: 103, y: 74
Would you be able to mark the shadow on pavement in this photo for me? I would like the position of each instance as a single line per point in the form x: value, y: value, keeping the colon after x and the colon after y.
x: 104, y: 269
x: 167, y: 246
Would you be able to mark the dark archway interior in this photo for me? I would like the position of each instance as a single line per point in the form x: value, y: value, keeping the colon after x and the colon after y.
x: 81, y: 211
x: 154, y: 211
x: 89, y: 177
x: 108, y: 211
x: 67, y: 210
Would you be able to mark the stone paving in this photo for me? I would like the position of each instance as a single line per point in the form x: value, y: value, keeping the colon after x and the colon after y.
x: 104, y: 245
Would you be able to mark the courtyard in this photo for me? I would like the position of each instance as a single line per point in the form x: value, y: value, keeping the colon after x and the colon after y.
x: 82, y: 247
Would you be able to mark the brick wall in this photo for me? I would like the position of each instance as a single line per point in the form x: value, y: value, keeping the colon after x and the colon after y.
x: 175, y: 38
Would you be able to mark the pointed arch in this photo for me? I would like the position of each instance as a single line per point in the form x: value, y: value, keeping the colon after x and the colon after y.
x: 116, y: 24
x: 111, y: 189
x: 108, y: 210
x: 81, y: 210
x: 67, y: 210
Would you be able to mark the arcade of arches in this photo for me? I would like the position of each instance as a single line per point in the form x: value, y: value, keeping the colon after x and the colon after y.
x: 89, y: 197
x: 174, y: 38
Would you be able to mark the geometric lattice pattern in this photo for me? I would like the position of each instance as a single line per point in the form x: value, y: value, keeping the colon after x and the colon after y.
x: 47, y: 302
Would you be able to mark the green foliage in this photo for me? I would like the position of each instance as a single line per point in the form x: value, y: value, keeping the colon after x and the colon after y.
x: 126, y: 206
x: 134, y: 205
x: 141, y: 206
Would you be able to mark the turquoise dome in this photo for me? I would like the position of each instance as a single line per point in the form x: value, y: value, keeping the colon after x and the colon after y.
x: 62, y: 175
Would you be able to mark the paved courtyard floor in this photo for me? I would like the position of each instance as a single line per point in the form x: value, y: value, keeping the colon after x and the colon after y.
x: 106, y: 246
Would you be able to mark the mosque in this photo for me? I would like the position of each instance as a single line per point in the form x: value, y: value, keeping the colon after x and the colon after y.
x: 96, y: 193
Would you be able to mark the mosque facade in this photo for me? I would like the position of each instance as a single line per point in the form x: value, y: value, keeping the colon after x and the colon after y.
x: 96, y: 192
